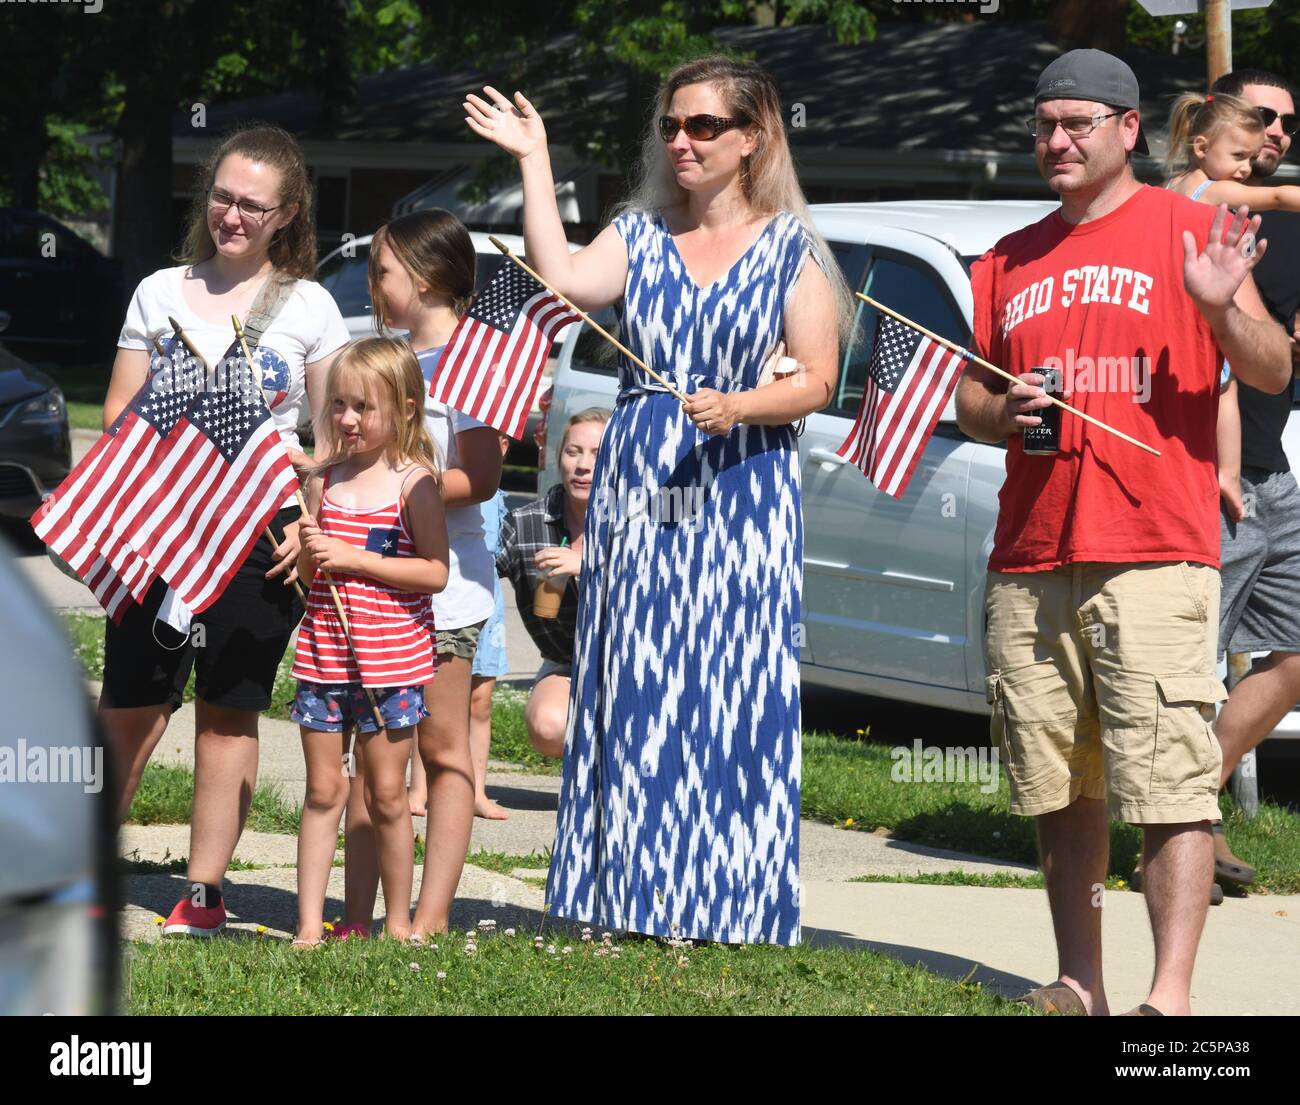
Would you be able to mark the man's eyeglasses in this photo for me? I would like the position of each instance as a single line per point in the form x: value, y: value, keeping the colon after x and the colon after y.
x: 1076, y: 126
x: 1290, y: 121
x: 701, y: 128
x: 254, y: 212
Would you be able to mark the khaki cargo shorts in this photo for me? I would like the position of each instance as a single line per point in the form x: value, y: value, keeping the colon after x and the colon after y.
x: 1102, y: 685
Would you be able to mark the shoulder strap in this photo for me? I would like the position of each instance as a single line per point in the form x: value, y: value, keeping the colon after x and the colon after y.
x: 270, y: 302
x: 1200, y: 189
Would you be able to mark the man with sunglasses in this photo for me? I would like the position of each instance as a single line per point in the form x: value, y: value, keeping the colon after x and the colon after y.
x: 1102, y: 590
x: 1260, y: 554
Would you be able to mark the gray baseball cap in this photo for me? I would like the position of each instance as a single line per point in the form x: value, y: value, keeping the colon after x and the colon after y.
x: 1091, y: 75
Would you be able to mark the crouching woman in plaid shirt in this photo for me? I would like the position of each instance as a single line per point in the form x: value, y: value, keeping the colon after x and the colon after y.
x: 543, y: 540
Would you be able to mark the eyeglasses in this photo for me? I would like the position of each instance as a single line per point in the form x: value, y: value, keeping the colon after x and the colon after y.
x: 1075, y: 126
x: 254, y: 212
x: 1290, y: 121
x: 701, y: 128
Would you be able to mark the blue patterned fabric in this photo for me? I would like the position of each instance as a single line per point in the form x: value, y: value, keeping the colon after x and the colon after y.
x: 679, y: 804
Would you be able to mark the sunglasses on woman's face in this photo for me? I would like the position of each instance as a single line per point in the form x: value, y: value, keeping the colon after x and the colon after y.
x: 700, y: 128
x: 1290, y: 121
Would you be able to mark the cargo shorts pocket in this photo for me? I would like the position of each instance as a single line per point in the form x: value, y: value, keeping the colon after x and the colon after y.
x: 1186, y: 750
x: 1033, y: 722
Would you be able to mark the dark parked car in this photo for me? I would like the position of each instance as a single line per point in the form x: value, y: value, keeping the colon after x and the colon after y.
x: 63, y: 297
x: 35, y: 444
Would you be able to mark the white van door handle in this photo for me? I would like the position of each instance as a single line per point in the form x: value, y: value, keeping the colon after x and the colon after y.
x: 827, y: 457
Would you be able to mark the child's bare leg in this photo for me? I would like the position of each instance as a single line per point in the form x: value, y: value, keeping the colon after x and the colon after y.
x: 444, y: 747
x: 419, y: 789
x: 480, y: 743
x: 318, y: 829
x: 361, y: 856
x: 385, y: 787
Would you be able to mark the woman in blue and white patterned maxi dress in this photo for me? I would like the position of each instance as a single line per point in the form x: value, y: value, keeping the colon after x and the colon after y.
x: 679, y: 806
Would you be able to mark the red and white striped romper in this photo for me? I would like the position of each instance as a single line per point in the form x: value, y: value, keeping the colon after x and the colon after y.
x: 393, y: 630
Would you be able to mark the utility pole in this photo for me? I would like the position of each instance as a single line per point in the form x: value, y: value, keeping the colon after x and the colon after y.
x: 1218, y: 40
x: 1218, y: 27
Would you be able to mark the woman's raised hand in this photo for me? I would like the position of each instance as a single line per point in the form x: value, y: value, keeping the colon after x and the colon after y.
x: 516, y: 128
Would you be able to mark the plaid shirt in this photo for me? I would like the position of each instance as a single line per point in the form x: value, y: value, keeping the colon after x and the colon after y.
x: 524, y: 532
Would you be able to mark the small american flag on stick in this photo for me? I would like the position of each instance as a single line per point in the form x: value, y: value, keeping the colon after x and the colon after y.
x: 908, y: 384
x: 180, y: 487
x: 493, y: 363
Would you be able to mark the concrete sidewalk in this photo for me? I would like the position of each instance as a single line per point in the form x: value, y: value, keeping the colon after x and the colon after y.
x: 1249, y: 961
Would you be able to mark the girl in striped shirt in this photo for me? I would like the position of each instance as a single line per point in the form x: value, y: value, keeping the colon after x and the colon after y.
x: 375, y: 536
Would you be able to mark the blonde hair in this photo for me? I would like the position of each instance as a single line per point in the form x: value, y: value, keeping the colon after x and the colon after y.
x: 293, y: 248
x: 1194, y: 116
x: 389, y: 370
x: 767, y: 176
x: 591, y: 414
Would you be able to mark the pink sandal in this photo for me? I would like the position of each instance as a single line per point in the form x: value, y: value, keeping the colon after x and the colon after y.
x: 361, y: 932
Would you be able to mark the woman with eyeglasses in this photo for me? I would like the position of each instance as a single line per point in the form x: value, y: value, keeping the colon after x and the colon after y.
x: 679, y: 808
x: 250, y: 251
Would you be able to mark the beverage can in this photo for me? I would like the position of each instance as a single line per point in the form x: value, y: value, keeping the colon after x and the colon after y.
x: 1045, y: 438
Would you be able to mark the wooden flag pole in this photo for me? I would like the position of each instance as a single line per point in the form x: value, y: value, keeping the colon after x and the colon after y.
x: 1005, y: 375
x: 586, y: 318
x: 157, y: 344
x: 329, y: 580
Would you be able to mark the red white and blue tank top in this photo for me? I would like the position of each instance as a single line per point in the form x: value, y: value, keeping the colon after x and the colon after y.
x: 391, y: 629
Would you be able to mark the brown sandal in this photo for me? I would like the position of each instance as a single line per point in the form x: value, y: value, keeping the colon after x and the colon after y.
x: 1143, y: 1010
x: 1227, y: 867
x: 1060, y: 998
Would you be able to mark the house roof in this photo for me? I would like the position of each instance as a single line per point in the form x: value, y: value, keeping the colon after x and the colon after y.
x: 916, y: 87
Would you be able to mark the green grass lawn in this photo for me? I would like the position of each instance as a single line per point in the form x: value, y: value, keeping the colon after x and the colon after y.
x: 508, y: 974
x: 846, y: 783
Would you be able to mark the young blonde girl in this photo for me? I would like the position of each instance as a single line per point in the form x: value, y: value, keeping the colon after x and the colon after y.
x: 422, y: 269
x: 375, y: 529
x: 1212, y: 142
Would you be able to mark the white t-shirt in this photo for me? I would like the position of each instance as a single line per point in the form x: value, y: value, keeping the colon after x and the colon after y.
x: 468, y: 596
x: 308, y: 328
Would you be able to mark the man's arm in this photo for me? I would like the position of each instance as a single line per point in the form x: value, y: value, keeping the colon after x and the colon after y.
x: 1252, y: 342
x: 990, y: 409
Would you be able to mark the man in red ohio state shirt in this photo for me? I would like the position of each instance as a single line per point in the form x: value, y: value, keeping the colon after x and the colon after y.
x: 1103, y: 584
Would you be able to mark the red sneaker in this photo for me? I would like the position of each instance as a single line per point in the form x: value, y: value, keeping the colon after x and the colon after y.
x: 187, y: 919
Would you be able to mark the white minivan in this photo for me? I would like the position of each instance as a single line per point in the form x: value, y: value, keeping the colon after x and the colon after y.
x: 893, y: 598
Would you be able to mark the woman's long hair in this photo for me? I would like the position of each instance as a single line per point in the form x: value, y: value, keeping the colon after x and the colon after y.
x: 388, y: 370
x: 767, y: 176
x: 293, y: 249
x: 1193, y: 116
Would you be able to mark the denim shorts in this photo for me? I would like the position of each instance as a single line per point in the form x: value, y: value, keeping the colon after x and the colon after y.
x: 338, y: 707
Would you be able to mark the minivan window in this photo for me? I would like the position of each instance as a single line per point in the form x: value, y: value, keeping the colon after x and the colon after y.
x: 591, y: 352
x: 912, y: 289
x: 346, y: 279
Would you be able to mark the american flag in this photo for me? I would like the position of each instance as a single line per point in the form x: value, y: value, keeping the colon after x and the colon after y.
x: 179, y: 487
x: 493, y: 362
x: 908, y: 384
